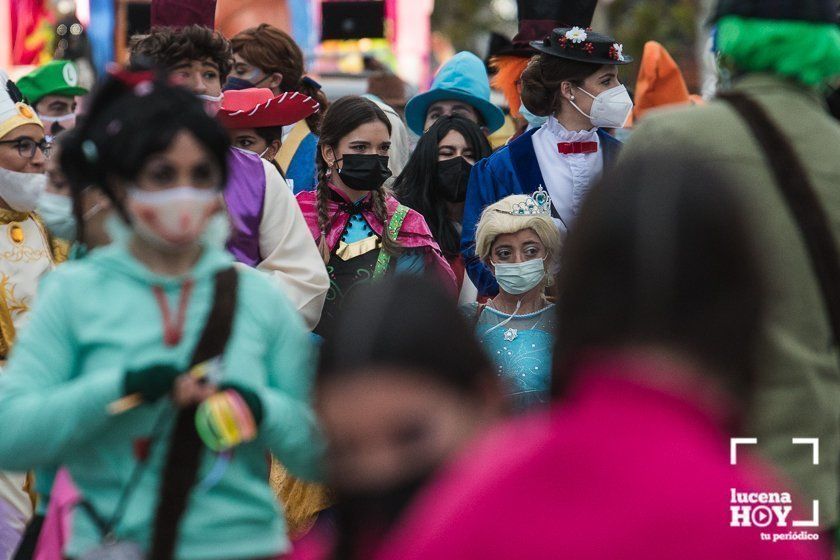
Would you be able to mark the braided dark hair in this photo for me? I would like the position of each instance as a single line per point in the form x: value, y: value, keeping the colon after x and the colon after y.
x: 323, y: 214
x: 343, y: 117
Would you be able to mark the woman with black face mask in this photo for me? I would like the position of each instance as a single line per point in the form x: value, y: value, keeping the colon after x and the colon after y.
x: 434, y: 183
x: 362, y: 231
x: 401, y: 388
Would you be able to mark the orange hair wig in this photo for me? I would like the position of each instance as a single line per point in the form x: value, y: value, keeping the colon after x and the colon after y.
x: 509, y: 70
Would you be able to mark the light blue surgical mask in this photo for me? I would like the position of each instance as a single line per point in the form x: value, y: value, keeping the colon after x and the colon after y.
x: 533, y: 120
x: 519, y: 278
x: 56, y: 210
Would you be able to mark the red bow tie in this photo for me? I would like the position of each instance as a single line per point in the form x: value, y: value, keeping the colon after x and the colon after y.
x: 567, y: 148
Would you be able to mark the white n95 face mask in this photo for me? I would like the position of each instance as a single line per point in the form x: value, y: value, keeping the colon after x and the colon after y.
x: 610, y: 109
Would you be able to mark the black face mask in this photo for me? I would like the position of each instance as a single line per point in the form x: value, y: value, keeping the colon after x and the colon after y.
x: 453, y: 176
x: 362, y: 515
x: 364, y: 172
x: 235, y: 84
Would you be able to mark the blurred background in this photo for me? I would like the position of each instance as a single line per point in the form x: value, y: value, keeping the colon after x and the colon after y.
x: 345, y: 41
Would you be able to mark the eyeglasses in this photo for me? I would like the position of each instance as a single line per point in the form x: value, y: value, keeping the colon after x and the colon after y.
x: 26, y: 147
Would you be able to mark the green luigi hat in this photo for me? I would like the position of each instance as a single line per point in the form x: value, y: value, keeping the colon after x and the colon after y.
x: 57, y: 77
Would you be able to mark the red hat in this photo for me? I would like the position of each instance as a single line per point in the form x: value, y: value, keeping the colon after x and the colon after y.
x: 258, y: 108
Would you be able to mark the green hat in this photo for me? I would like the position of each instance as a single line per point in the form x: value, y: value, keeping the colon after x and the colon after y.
x: 57, y: 77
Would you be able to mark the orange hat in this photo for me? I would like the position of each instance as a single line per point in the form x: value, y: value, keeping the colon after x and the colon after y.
x: 508, y: 72
x: 660, y: 81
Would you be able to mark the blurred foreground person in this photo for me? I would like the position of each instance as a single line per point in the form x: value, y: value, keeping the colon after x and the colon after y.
x: 401, y: 388
x: 157, y: 373
x: 518, y: 241
x: 659, y: 307
x: 771, y: 132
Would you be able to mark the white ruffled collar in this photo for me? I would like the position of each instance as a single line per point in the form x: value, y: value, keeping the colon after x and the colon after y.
x: 559, y: 132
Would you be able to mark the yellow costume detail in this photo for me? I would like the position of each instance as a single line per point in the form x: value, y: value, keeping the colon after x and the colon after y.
x: 301, y: 501
x: 26, y: 254
x: 349, y: 251
x: 290, y: 145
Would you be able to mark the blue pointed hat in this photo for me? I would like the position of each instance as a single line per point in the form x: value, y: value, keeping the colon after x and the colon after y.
x: 462, y: 78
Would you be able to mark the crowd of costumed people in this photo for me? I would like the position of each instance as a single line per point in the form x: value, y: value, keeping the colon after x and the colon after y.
x: 242, y: 320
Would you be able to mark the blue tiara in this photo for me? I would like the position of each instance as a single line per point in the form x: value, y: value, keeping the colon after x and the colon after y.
x: 538, y: 204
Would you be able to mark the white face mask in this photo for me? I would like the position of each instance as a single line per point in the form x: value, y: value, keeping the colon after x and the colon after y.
x: 172, y: 219
x: 211, y: 104
x: 21, y: 191
x: 519, y: 278
x: 54, y: 125
x: 610, y: 109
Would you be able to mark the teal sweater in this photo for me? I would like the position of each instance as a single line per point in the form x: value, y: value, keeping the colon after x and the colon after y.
x: 97, y: 318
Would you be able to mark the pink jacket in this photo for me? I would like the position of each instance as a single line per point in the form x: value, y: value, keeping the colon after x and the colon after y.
x: 57, y: 524
x: 620, y: 470
x: 414, y: 234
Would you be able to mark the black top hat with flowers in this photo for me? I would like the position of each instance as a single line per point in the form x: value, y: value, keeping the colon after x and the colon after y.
x: 583, y: 45
x: 537, y: 18
x: 816, y: 11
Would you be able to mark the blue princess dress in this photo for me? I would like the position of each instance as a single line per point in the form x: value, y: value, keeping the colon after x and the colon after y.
x: 521, y: 348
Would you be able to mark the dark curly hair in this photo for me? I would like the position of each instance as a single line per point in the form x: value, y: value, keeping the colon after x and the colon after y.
x: 168, y: 46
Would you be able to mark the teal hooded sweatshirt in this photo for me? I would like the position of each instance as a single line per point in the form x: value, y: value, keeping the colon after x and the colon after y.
x: 97, y: 318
